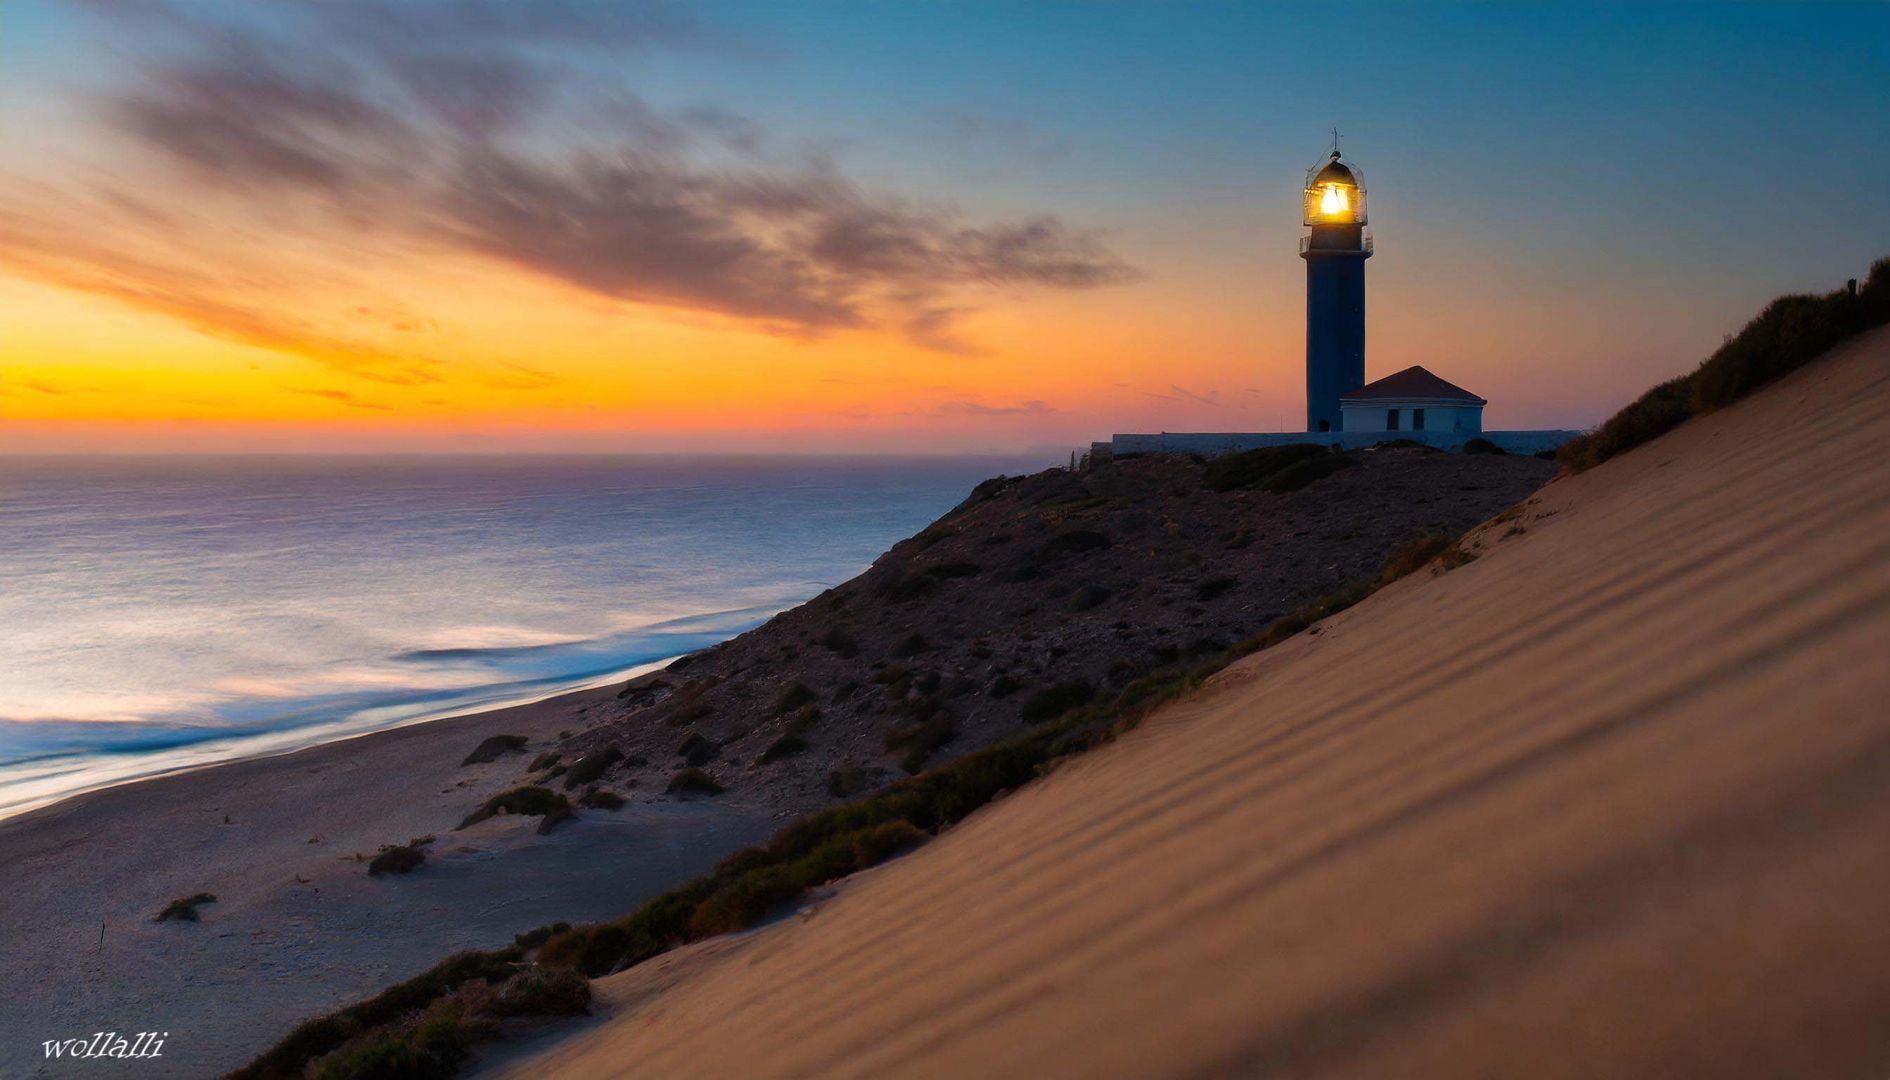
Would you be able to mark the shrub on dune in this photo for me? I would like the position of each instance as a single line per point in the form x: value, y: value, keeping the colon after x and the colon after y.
x: 1231, y: 472
x: 397, y: 859
x: 881, y: 842
x: 531, y: 800
x: 544, y: 992
x: 743, y: 902
x: 490, y: 749
x: 793, y: 697
x: 784, y: 747
x: 1408, y: 558
x: 841, y: 643
x: 698, y: 750
x: 933, y: 728
x: 753, y: 893
x: 184, y: 909
x: 591, y: 767
x: 430, y: 1048
x: 1301, y: 474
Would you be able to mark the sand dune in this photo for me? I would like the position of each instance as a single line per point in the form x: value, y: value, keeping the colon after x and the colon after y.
x: 1614, y: 799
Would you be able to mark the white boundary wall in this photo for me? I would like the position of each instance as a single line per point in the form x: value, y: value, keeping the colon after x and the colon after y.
x: 1208, y: 444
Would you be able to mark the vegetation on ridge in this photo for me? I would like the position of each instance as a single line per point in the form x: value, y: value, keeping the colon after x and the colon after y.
x: 1791, y: 332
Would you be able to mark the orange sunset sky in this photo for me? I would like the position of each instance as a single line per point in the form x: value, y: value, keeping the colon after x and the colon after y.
x: 912, y: 228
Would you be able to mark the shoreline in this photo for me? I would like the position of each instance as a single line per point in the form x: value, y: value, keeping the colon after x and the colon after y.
x: 286, y: 741
x: 298, y: 926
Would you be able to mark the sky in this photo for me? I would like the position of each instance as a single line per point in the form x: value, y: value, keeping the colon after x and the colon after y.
x: 499, y: 226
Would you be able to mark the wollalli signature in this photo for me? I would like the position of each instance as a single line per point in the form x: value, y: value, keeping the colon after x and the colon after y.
x: 109, y: 1044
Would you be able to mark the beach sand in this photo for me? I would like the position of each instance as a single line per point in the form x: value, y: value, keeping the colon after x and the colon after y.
x: 299, y: 927
x: 1612, y: 800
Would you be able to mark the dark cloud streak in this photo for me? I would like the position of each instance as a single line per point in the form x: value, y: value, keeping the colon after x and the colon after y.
x: 972, y: 408
x: 1184, y: 395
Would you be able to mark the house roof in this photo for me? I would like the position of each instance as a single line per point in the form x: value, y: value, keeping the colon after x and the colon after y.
x: 1413, y: 383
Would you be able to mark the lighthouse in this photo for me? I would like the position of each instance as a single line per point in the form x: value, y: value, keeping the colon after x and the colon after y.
x: 1335, y: 252
x: 1342, y: 409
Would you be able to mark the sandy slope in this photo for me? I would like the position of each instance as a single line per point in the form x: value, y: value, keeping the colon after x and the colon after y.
x: 1612, y: 800
x: 299, y: 928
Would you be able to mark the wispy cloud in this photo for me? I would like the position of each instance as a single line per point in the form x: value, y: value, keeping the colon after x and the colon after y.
x: 423, y: 119
x: 236, y: 294
x: 342, y: 397
x: 936, y: 328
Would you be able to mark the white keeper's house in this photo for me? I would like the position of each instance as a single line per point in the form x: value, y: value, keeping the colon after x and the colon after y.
x: 1412, y: 400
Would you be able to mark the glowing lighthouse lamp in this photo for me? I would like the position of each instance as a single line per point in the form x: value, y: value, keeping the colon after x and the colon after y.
x: 1335, y: 199
x: 1335, y: 252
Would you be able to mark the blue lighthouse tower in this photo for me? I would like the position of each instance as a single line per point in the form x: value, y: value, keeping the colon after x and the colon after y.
x: 1335, y: 253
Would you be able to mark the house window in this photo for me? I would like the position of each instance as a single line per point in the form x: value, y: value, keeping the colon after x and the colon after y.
x: 1417, y: 419
x: 1391, y: 419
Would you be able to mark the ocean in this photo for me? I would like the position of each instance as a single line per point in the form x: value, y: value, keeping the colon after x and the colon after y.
x: 162, y: 613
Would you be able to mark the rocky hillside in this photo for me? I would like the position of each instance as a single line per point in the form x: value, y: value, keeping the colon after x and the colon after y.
x: 1033, y: 595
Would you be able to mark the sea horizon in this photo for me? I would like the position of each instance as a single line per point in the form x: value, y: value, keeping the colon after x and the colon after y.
x: 168, y: 612
x: 1051, y: 453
